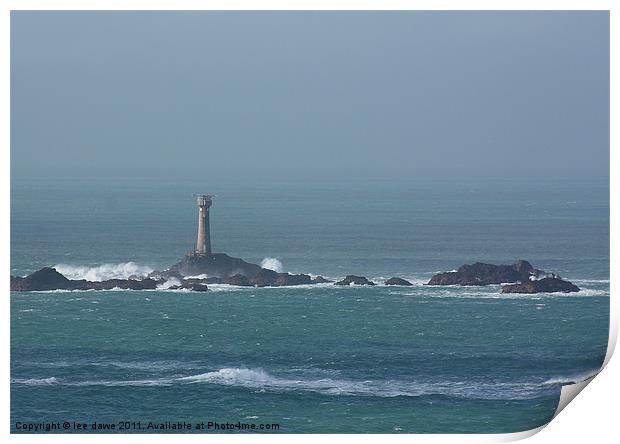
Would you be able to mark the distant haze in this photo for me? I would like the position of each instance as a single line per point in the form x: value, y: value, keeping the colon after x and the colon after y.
x: 319, y: 94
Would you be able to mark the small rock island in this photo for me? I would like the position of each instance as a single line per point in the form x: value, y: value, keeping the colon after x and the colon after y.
x: 520, y: 277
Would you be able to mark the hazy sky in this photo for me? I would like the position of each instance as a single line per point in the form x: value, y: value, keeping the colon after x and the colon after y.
x: 310, y: 94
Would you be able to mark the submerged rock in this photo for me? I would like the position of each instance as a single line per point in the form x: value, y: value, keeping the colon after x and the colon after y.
x: 320, y: 280
x: 397, y: 281
x: 486, y: 274
x: 544, y: 285
x: 355, y: 280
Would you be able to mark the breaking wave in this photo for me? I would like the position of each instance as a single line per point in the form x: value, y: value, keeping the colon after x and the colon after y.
x: 573, y: 379
x: 272, y: 263
x: 259, y: 379
x: 103, y: 272
x: 169, y: 283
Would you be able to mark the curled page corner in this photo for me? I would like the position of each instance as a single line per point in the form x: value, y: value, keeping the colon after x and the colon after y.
x: 569, y: 392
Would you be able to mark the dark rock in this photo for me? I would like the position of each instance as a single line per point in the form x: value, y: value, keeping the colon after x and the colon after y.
x: 204, y: 281
x: 49, y: 279
x: 486, y: 274
x: 286, y: 279
x: 42, y: 280
x: 397, y: 281
x: 110, y: 284
x: 270, y: 278
x: 189, y: 286
x: 320, y: 280
x: 544, y: 285
x: 265, y: 278
x: 212, y: 265
x: 356, y: 280
x: 165, y: 275
x: 197, y: 287
x: 220, y: 268
x: 524, y: 268
x: 239, y: 280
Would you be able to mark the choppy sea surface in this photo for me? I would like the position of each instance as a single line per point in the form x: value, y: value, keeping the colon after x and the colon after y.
x: 320, y: 359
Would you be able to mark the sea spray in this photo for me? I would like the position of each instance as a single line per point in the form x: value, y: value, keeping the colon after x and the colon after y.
x: 272, y: 263
x: 169, y: 283
x: 103, y: 272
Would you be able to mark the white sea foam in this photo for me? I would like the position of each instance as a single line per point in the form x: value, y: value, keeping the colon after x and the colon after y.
x: 271, y: 263
x: 572, y: 379
x: 231, y: 376
x: 258, y: 378
x: 36, y: 381
x: 125, y: 383
x: 329, y: 386
x: 492, y: 292
x: 103, y: 272
x: 586, y: 292
x: 169, y: 283
x: 591, y: 281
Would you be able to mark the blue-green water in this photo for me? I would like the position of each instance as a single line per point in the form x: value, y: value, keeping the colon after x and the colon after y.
x: 311, y: 359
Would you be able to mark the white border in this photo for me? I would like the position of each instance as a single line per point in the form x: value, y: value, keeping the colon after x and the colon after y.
x: 590, y: 418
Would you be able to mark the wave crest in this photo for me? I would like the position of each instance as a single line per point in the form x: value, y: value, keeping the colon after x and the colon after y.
x: 103, y: 272
x: 36, y: 381
x: 572, y: 379
x: 328, y: 385
x: 259, y: 379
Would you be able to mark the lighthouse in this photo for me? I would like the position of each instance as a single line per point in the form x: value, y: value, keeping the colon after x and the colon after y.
x: 203, y: 240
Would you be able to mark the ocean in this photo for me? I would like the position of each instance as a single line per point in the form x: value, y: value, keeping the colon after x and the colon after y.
x: 310, y: 359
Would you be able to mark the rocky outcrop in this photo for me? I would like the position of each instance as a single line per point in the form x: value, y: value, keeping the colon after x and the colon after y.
x: 398, y: 281
x: 523, y: 277
x: 237, y: 279
x: 43, y: 280
x: 270, y: 278
x: 111, y: 284
x: 264, y: 278
x: 190, y: 286
x: 355, y: 280
x: 486, y: 274
x: 544, y: 285
x: 218, y: 265
x: 49, y: 278
x: 320, y: 280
